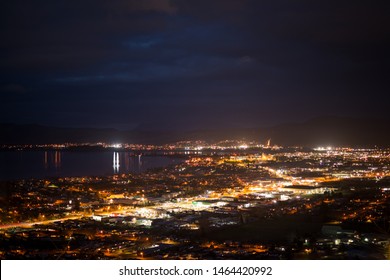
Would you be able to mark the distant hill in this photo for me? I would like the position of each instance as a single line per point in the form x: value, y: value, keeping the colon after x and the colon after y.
x: 39, y: 134
x: 335, y: 131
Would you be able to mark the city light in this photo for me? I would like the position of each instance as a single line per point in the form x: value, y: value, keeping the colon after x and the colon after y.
x: 205, y: 193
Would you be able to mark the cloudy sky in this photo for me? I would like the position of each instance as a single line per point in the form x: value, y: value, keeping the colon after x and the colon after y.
x: 165, y: 64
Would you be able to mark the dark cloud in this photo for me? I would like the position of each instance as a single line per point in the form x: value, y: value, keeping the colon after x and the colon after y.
x: 13, y: 88
x: 162, y: 63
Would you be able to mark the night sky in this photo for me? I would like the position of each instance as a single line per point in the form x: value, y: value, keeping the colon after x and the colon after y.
x: 161, y: 64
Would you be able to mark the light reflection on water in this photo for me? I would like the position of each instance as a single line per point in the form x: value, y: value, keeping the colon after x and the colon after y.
x: 116, y: 162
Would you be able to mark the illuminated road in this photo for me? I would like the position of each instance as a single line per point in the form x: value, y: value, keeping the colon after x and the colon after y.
x: 30, y: 224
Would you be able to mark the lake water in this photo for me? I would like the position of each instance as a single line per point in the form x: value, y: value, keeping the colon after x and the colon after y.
x: 45, y: 164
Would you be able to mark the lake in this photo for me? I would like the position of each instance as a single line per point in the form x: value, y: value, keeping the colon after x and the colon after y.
x: 16, y: 165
